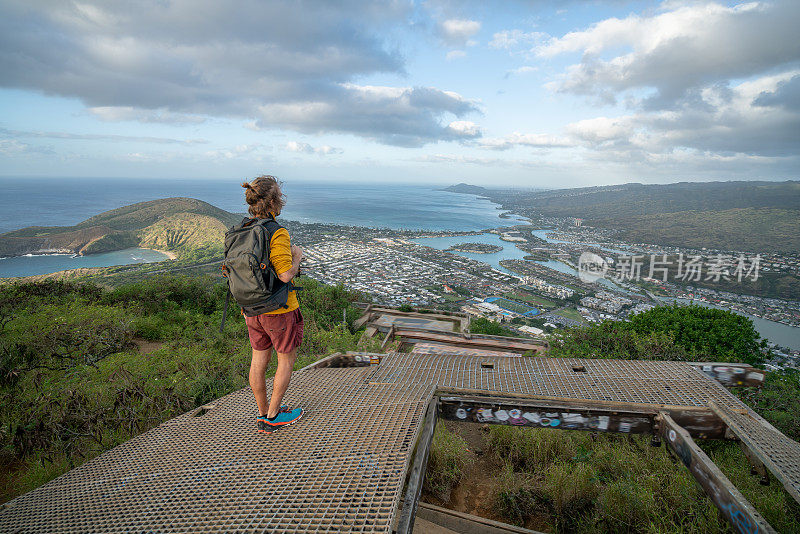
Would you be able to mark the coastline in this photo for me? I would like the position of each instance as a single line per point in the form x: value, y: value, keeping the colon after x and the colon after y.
x: 51, y: 264
x: 167, y: 253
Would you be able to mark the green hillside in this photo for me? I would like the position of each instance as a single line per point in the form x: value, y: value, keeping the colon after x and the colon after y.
x: 175, y: 224
x: 746, y: 229
x: 747, y: 216
x: 184, y: 230
x: 137, y: 216
x: 613, y: 202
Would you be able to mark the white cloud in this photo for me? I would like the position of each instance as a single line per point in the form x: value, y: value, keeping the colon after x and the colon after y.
x: 455, y: 54
x: 100, y: 137
x: 529, y: 140
x: 12, y: 147
x: 237, y: 152
x: 513, y: 39
x: 724, y: 122
x: 679, y: 51
x: 181, y: 61
x: 129, y: 113
x: 305, y: 148
x: 457, y: 32
x: 464, y: 129
x: 402, y: 116
x: 525, y: 69
x: 452, y: 158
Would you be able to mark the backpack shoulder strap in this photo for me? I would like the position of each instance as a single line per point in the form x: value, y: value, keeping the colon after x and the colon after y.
x: 270, y: 226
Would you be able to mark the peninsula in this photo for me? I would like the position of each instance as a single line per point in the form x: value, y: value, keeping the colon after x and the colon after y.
x: 475, y: 248
x: 169, y: 224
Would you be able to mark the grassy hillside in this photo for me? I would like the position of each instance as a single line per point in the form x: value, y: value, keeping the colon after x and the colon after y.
x: 744, y: 229
x: 83, y: 368
x: 142, y: 214
x: 175, y: 224
x: 184, y: 230
x: 639, y: 199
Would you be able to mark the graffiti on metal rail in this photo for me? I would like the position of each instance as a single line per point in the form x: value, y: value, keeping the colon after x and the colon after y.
x: 719, y: 489
x: 733, y: 375
x: 739, y: 519
x: 544, y: 418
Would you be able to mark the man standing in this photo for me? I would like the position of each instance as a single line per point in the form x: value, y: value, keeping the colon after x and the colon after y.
x: 282, y: 329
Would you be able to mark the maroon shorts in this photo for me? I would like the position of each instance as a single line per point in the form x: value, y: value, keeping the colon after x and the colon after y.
x: 283, y: 331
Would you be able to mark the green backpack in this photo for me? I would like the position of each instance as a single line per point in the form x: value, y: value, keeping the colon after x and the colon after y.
x: 252, y: 280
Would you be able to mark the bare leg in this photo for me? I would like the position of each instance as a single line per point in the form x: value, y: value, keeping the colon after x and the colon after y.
x: 281, y: 381
x: 258, y: 381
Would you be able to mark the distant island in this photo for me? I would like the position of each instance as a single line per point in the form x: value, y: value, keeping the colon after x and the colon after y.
x: 475, y: 248
x: 170, y: 224
x: 465, y: 188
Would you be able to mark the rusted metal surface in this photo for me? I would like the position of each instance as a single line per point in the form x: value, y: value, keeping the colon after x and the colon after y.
x: 460, y: 340
x: 572, y: 414
x: 383, y: 318
x: 734, y: 506
x: 776, y: 452
x: 640, y: 382
x: 385, y: 321
x: 342, y: 467
x: 405, y: 524
x: 441, y: 348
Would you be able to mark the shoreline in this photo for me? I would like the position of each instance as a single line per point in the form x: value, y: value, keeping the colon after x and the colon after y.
x: 48, y: 253
x: 63, y: 268
x: 167, y: 253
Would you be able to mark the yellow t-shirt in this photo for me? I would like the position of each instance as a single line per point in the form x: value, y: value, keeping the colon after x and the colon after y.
x: 280, y: 256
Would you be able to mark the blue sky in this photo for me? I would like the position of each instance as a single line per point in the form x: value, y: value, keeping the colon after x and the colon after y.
x: 540, y: 94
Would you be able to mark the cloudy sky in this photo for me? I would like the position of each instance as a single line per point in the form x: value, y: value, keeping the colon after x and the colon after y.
x: 531, y: 93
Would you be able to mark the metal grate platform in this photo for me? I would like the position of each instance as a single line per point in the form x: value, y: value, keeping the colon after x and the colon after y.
x: 778, y: 454
x: 641, y: 382
x: 342, y: 467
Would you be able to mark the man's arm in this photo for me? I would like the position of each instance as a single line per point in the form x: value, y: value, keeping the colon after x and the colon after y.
x: 297, y: 256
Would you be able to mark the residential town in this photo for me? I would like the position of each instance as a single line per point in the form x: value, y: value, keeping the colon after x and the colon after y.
x: 530, y: 296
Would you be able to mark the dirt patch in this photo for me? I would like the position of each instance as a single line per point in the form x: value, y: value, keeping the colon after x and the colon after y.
x: 146, y: 347
x: 475, y: 493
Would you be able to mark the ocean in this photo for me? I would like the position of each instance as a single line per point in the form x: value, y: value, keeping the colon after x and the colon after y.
x: 68, y: 201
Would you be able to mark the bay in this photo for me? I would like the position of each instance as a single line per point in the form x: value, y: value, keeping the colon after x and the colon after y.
x: 509, y: 250
x: 31, y: 265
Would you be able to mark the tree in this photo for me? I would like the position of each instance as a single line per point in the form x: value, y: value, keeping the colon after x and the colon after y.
x: 667, y: 333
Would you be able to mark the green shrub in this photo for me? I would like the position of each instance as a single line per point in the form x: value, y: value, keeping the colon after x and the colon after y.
x: 777, y: 400
x: 448, y: 458
x: 72, y: 384
x: 531, y: 448
x: 570, y: 488
x: 480, y: 325
x: 518, y: 497
x: 775, y: 505
x: 693, y: 333
x: 625, y: 506
x: 149, y: 327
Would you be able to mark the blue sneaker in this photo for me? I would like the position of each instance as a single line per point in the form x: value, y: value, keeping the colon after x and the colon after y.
x: 260, y: 418
x: 285, y: 417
